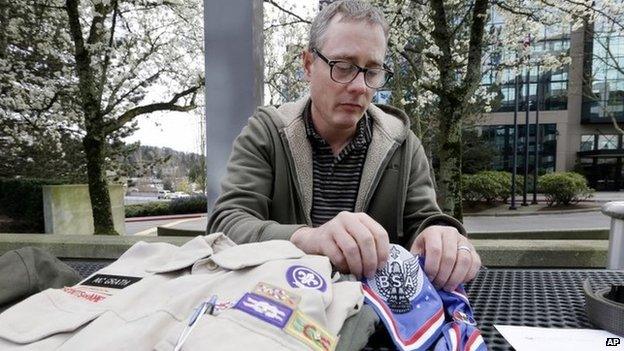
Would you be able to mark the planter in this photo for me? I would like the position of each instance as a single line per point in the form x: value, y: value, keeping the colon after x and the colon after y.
x: 67, y: 209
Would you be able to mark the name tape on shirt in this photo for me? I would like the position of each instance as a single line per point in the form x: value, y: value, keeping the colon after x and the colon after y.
x: 110, y: 281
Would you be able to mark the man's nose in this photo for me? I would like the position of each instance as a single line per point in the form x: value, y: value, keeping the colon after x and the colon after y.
x: 358, y: 84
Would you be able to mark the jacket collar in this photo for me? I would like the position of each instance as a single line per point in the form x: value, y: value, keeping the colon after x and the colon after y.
x: 390, y: 129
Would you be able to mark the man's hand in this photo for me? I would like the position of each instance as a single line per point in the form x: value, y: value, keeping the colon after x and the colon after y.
x: 450, y: 259
x: 354, y: 243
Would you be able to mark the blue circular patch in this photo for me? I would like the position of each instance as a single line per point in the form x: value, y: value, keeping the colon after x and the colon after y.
x: 306, y: 278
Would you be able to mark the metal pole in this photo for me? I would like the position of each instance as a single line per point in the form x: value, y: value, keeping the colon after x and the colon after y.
x: 537, y: 137
x: 526, y: 136
x: 515, y: 146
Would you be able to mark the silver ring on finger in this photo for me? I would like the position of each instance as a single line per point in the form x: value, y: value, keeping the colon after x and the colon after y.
x: 464, y: 248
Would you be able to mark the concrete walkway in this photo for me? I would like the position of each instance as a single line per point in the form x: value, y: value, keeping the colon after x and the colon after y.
x: 586, y: 215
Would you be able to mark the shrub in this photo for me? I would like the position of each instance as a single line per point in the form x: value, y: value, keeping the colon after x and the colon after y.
x: 22, y: 200
x: 564, y: 188
x: 488, y: 185
x: 183, y: 205
x: 193, y: 204
x: 154, y: 208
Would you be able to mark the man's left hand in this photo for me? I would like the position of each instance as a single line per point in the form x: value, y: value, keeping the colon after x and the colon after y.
x: 450, y: 259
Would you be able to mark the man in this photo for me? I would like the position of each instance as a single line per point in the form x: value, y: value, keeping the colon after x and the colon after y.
x: 336, y: 175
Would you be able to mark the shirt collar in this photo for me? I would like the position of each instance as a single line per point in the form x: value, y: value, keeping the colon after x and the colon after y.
x: 363, y: 130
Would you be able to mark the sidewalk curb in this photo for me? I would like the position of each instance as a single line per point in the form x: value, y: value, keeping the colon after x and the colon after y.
x: 516, y: 214
x: 164, y: 218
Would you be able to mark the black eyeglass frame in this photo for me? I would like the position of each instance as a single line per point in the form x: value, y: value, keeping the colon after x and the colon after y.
x: 332, y: 63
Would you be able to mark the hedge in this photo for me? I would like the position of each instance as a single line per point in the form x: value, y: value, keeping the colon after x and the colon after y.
x: 22, y: 200
x: 183, y: 205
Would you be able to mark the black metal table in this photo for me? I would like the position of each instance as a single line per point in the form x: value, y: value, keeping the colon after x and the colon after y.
x: 527, y: 297
x: 535, y: 298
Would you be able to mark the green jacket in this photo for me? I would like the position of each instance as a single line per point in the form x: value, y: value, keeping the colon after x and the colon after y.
x: 267, y: 190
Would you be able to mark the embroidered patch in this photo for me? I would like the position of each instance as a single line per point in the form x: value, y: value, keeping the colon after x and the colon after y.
x: 306, y: 330
x: 304, y: 277
x: 85, y: 295
x: 264, y: 309
x: 223, y: 305
x: 110, y: 281
x: 461, y: 316
x: 286, y: 297
x: 399, y: 281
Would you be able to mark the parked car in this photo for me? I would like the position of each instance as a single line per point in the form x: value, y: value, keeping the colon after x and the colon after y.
x: 164, y: 194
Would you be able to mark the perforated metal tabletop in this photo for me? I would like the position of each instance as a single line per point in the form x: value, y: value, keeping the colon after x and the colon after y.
x: 538, y: 298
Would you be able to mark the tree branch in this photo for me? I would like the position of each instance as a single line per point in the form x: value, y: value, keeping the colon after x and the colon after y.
x: 287, y: 11
x: 162, y: 106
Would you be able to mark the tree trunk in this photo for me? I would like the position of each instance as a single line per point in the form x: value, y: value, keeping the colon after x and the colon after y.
x: 98, y: 186
x: 450, y: 152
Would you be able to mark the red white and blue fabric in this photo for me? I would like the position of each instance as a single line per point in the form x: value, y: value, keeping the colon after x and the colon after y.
x: 416, y: 315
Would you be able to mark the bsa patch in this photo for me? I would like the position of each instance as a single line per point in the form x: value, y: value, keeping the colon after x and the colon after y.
x: 264, y: 309
x: 278, y: 294
x: 306, y: 330
x: 399, y: 281
x: 306, y: 278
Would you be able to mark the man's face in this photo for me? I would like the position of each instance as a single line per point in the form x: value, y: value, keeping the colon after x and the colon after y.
x: 336, y: 105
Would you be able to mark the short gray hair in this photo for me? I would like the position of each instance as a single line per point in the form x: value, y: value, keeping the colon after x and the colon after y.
x: 351, y: 10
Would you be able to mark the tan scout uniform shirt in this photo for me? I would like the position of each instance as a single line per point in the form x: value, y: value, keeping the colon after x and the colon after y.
x: 271, y: 296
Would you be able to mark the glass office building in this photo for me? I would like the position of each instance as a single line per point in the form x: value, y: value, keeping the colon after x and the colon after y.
x: 577, y: 106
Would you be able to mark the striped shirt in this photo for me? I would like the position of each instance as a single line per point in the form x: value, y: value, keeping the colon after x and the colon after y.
x: 336, y: 179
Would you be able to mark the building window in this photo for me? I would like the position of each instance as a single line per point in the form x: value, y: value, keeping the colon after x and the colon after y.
x: 500, y: 137
x: 553, y: 85
x: 607, y: 142
x: 587, y: 142
x: 607, y: 87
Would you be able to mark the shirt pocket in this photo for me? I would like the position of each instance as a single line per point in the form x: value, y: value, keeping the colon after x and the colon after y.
x: 47, y: 313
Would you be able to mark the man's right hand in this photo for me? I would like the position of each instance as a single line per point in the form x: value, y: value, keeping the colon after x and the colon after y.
x: 354, y: 243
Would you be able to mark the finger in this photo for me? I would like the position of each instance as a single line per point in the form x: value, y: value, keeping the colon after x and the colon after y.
x: 366, y: 243
x: 332, y: 251
x: 447, y: 258
x: 463, y: 264
x: 350, y: 251
x: 476, y: 265
x: 382, y: 241
x: 430, y: 242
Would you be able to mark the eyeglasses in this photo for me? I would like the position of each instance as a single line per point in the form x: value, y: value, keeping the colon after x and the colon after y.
x: 345, y: 72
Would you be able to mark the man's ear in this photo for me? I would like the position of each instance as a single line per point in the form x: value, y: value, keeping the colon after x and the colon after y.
x: 308, y: 58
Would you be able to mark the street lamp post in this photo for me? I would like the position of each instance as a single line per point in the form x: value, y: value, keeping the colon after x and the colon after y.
x: 526, y: 136
x: 515, y: 146
x: 537, y: 137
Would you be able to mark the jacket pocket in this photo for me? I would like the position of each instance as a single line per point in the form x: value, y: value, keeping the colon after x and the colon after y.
x: 255, y: 254
x: 48, y: 313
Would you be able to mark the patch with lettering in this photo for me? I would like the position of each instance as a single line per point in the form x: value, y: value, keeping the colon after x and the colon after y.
x: 110, y: 281
x: 399, y: 281
x: 278, y: 294
x: 85, y: 295
x: 308, y: 331
x: 264, y: 309
x: 306, y: 278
